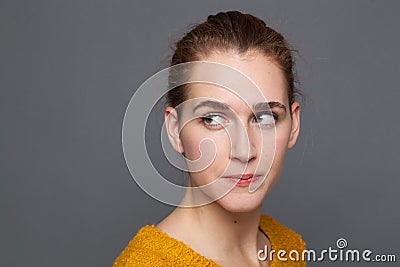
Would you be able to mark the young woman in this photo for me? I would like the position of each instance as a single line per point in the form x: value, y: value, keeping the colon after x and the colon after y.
x: 229, y: 230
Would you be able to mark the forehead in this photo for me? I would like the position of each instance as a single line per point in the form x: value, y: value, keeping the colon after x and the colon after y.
x: 262, y: 71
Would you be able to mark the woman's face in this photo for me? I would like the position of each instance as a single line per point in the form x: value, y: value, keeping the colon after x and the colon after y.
x: 240, y: 148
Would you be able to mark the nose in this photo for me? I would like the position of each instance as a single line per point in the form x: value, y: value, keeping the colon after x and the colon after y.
x: 242, y: 144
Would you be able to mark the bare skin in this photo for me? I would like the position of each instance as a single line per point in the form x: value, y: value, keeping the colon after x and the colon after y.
x: 227, y: 230
x: 233, y: 241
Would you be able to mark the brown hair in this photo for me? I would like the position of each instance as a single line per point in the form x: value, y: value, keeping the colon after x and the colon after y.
x: 238, y: 32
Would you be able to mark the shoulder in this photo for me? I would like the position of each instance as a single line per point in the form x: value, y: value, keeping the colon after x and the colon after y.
x: 279, y: 233
x: 141, y: 250
x: 152, y: 247
x: 283, y: 238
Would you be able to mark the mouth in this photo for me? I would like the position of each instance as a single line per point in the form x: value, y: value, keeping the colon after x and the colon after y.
x: 243, y: 179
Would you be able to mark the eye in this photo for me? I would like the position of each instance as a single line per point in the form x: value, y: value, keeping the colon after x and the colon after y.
x: 266, y: 118
x: 213, y: 120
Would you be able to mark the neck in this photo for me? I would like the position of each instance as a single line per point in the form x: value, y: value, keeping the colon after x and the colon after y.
x: 232, y: 228
x: 228, y: 237
x: 225, y: 232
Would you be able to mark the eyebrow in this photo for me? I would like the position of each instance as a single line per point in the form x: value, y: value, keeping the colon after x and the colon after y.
x: 257, y: 107
x: 269, y: 105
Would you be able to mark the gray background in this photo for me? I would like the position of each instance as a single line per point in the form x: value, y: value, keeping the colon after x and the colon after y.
x: 69, y: 68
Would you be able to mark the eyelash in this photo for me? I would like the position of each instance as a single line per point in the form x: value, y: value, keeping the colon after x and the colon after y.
x: 269, y: 114
x: 208, y: 117
x: 211, y: 115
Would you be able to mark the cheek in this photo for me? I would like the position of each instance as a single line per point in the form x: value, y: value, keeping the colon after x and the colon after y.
x: 273, y: 147
x: 214, y: 155
x: 191, y: 146
x: 281, y: 147
x: 276, y: 163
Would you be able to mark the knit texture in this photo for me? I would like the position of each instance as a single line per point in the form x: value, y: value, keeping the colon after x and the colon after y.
x: 152, y: 247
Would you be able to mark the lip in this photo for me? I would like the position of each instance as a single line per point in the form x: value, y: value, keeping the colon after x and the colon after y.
x: 243, y: 179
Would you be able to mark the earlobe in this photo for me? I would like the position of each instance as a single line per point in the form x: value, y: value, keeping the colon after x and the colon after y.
x: 172, y: 128
x: 295, y: 130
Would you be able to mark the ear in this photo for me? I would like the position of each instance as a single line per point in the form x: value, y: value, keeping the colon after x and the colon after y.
x: 294, y: 133
x: 172, y: 128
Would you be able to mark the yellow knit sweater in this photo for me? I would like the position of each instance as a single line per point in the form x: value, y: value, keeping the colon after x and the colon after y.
x: 152, y: 247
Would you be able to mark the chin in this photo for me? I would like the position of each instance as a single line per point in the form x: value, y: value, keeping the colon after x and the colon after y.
x: 241, y: 202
